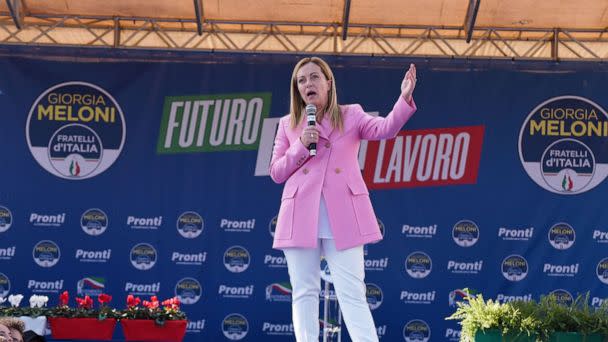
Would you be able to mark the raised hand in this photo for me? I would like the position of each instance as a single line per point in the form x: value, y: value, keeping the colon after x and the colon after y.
x: 409, y: 83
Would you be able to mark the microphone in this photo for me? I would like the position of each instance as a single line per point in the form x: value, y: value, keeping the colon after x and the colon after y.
x: 311, y: 117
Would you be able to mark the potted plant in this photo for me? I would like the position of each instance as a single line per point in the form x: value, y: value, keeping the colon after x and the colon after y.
x: 488, y: 320
x: 153, y: 320
x: 546, y: 320
x: 83, y: 322
x: 33, y: 316
x: 575, y: 322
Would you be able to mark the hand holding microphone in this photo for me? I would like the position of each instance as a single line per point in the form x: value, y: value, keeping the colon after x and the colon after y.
x: 310, y: 134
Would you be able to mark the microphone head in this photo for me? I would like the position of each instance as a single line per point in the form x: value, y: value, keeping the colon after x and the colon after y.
x: 311, y: 109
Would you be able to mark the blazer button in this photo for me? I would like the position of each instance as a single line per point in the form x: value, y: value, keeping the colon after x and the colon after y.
x: 338, y: 170
x: 305, y: 171
x: 327, y: 144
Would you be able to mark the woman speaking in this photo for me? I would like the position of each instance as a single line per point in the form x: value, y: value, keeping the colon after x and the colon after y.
x: 325, y: 206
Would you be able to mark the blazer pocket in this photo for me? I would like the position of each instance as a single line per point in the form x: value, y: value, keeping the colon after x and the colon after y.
x: 289, y: 191
x: 357, y: 188
x: 284, y: 230
x: 364, y: 212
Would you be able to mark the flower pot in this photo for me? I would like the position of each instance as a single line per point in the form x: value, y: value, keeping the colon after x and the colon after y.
x: 148, y: 330
x: 82, y: 328
x: 574, y: 337
x: 494, y: 335
x: 35, y: 324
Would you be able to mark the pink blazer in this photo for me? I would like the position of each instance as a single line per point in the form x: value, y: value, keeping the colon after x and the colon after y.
x: 333, y: 172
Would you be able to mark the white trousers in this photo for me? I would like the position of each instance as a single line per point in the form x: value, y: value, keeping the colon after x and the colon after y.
x: 348, y: 271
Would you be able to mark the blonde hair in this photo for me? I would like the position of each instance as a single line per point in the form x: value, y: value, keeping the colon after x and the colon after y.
x: 13, y: 323
x: 297, y: 104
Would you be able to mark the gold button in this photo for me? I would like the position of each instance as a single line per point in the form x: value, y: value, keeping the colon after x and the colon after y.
x: 338, y: 170
x: 305, y: 171
x: 327, y: 144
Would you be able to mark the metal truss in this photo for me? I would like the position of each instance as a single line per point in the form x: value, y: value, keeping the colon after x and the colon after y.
x: 289, y: 37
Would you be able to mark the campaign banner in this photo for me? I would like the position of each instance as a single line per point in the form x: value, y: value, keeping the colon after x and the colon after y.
x: 135, y: 176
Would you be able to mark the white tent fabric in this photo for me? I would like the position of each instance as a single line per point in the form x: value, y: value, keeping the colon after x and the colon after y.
x: 540, y: 29
x: 580, y: 14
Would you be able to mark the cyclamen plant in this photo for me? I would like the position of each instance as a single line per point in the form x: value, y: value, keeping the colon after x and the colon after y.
x: 38, y: 301
x: 37, y: 306
x: 85, y: 307
x: 167, y: 310
x: 153, y: 309
x: 15, y: 300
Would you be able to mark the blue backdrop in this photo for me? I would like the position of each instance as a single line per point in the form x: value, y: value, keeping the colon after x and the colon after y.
x: 146, y: 173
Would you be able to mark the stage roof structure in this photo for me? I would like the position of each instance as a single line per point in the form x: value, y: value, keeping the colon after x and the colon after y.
x: 497, y: 29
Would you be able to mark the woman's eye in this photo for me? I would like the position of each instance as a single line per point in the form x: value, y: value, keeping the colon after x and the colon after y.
x: 301, y: 80
x: 314, y: 77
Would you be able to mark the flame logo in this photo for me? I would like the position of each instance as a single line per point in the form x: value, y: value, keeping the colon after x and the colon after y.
x: 567, y: 183
x: 74, y: 168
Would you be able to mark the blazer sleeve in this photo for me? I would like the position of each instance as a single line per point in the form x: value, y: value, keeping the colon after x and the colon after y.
x: 377, y: 128
x: 286, y: 157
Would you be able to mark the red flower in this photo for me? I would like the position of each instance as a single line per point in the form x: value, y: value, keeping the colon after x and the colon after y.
x: 85, y: 303
x: 132, y: 301
x: 104, y: 298
x: 172, y: 303
x: 152, y: 304
x: 64, y: 298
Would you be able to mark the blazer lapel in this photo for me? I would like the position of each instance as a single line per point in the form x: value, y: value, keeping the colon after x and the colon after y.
x: 325, y: 129
x: 299, y: 128
x: 336, y: 133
